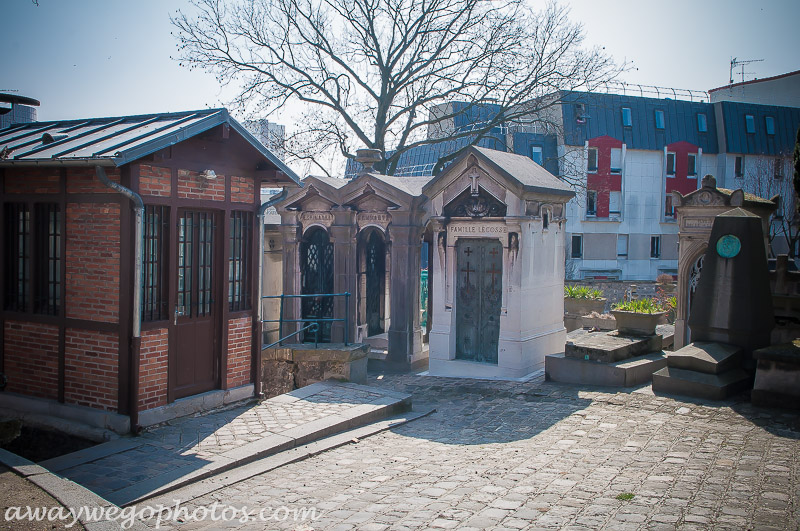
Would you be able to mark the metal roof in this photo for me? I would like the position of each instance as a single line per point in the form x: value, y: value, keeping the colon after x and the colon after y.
x: 786, y: 121
x: 115, y: 141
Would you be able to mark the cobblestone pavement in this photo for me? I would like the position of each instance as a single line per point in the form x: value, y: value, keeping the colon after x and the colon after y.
x: 189, y: 447
x: 503, y: 455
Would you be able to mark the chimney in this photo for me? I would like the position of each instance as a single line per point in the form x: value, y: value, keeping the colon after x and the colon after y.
x: 367, y: 158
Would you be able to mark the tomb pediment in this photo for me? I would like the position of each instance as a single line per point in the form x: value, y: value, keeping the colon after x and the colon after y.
x: 475, y: 204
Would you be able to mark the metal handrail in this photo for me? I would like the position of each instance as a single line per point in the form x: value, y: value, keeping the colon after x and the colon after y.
x: 315, y: 327
x: 281, y: 320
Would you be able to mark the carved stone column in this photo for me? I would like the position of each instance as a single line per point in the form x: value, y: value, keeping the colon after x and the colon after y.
x: 345, y: 272
x: 405, y: 333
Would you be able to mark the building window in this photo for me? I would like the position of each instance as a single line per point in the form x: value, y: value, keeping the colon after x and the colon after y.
x: 239, y: 297
x: 659, y: 119
x: 627, y: 117
x: 749, y: 123
x: 591, y: 203
x: 580, y: 114
x: 154, y: 274
x: 670, y: 163
x: 33, y: 258
x: 577, y: 246
x: 669, y: 210
x: 616, y: 160
x: 778, y: 167
x: 691, y: 170
x: 702, y: 124
x: 536, y: 154
x: 769, y: 124
x: 655, y: 246
x: 622, y: 245
x: 614, y: 200
x: 591, y: 161
x: 738, y: 166
x: 545, y: 219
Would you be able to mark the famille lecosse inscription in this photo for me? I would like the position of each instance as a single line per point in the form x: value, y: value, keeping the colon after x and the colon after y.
x: 478, y: 229
x: 698, y: 223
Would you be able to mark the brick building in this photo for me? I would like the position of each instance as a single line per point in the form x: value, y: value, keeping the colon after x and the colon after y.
x: 78, y: 338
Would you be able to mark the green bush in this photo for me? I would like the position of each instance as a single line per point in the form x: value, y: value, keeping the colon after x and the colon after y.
x: 642, y: 306
x: 582, y: 292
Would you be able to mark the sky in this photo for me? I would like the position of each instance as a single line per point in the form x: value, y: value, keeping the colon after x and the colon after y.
x: 92, y: 58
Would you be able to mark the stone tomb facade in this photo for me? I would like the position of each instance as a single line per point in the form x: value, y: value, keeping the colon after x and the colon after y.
x: 493, y: 223
x: 498, y: 265
x: 696, y: 212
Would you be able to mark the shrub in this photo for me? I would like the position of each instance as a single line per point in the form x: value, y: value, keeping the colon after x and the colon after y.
x: 582, y: 292
x: 664, y: 278
x: 642, y: 306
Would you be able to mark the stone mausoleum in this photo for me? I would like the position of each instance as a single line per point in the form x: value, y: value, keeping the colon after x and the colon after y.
x: 489, y: 230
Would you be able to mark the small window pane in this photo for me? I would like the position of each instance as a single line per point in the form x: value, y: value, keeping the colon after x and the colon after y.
x: 670, y: 163
x: 669, y: 211
x: 622, y: 245
x: 750, y: 123
x: 702, y: 126
x: 769, y: 122
x: 591, y: 203
x: 614, y: 200
x: 536, y: 155
x: 627, y: 119
x: 659, y: 119
x: 692, y: 166
x: 738, y: 169
x: 655, y: 246
x: 616, y: 160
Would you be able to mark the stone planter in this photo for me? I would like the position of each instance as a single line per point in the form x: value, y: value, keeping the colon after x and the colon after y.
x: 637, y: 324
x: 583, y: 306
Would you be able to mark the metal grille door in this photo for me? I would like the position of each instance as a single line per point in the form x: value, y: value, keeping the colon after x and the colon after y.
x: 479, y: 290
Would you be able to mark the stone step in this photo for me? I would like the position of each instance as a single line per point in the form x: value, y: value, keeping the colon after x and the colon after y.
x: 683, y: 382
x: 626, y: 373
x: 378, y: 341
x: 706, y: 357
x: 611, y: 346
x: 378, y: 353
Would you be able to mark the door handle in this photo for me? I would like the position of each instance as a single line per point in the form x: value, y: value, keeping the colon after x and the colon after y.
x: 177, y: 313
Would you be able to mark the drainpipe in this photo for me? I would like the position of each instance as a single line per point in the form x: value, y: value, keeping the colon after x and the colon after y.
x: 259, y: 326
x: 136, y: 341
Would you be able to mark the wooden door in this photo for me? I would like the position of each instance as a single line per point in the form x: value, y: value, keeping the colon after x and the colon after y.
x: 479, y: 289
x: 194, y: 364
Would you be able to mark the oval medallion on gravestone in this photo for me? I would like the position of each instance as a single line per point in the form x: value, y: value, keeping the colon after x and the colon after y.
x: 728, y: 246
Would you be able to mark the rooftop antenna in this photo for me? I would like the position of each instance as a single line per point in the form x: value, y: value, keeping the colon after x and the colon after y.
x: 736, y: 62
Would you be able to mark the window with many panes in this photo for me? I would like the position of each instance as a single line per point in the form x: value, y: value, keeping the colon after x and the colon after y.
x: 32, y: 255
x: 154, y: 263
x: 591, y: 160
x: 239, y: 274
x: 577, y: 246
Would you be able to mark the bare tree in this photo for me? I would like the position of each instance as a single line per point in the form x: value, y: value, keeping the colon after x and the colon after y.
x: 768, y: 177
x: 380, y: 73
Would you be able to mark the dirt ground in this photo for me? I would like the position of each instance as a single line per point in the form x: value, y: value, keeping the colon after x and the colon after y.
x: 17, y: 491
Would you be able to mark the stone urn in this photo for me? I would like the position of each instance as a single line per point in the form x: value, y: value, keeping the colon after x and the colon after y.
x: 637, y: 324
x: 576, y: 306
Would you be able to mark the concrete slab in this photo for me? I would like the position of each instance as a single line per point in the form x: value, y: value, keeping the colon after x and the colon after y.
x: 674, y: 381
x: 611, y: 346
x: 706, y: 357
x: 626, y: 373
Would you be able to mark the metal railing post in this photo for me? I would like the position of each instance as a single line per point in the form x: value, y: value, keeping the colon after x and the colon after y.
x: 346, y: 315
x: 280, y: 323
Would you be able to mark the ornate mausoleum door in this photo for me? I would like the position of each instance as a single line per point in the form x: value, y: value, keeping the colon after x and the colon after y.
x: 478, y: 298
x: 316, y: 277
x: 376, y: 274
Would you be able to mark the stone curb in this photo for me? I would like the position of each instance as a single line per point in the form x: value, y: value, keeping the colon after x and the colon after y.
x: 71, y: 495
x: 298, y: 453
x: 391, y: 403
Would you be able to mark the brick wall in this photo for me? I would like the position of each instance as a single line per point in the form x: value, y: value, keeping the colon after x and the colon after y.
x: 91, y: 363
x: 85, y: 181
x: 34, y: 181
x: 31, y: 358
x: 92, y: 279
x: 153, y: 368
x: 239, y: 336
x: 155, y: 181
x: 242, y: 190
x: 191, y: 186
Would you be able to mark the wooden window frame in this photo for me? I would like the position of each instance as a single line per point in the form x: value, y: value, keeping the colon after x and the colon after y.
x: 239, y: 260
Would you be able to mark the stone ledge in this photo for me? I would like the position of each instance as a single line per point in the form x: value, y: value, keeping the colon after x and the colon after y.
x: 70, y: 418
x: 611, y: 347
x: 706, y: 357
x: 700, y: 385
x: 626, y: 373
x: 195, y: 404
